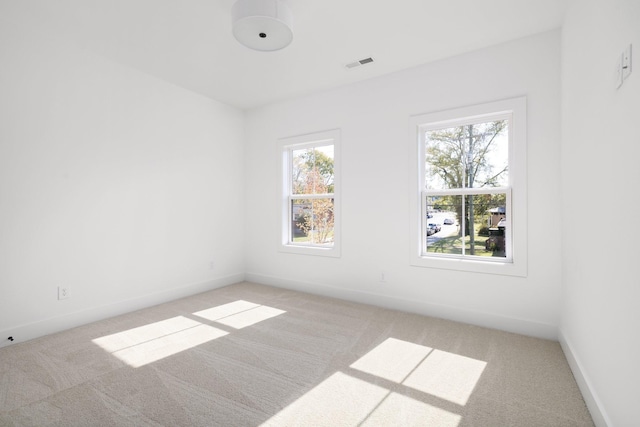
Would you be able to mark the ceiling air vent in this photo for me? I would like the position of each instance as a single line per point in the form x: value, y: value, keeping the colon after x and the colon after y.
x: 359, y: 62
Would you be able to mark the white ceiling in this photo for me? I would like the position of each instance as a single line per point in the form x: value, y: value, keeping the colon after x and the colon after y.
x: 189, y: 42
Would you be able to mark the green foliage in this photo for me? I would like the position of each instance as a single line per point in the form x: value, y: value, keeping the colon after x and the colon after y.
x: 313, y: 171
x: 458, y: 157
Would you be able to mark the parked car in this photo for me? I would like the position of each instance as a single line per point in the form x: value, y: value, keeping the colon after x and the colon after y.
x: 430, y: 231
x: 436, y: 226
x: 432, y: 227
x: 448, y: 221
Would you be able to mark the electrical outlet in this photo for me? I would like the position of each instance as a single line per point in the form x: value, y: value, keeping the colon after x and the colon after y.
x: 63, y: 292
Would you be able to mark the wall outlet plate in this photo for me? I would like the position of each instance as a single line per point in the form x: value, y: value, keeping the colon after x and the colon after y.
x: 618, y: 75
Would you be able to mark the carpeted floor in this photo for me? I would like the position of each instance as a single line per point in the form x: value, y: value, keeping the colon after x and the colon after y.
x: 249, y: 355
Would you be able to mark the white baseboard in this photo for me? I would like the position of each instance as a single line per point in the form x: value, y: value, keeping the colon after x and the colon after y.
x: 589, y: 395
x: 489, y: 320
x: 55, y: 324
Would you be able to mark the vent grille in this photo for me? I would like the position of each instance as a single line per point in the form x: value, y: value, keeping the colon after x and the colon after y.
x: 359, y: 62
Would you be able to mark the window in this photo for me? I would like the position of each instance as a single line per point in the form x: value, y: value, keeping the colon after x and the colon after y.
x: 310, y: 204
x: 469, y: 202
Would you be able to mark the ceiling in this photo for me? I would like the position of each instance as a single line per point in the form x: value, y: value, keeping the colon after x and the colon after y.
x: 189, y: 43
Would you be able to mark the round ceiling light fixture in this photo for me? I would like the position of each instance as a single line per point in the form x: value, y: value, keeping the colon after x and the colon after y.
x: 262, y: 24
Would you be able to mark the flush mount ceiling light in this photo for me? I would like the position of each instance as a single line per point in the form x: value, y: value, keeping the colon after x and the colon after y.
x: 262, y: 24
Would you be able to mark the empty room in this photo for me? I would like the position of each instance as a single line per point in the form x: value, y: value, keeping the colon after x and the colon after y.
x: 319, y: 213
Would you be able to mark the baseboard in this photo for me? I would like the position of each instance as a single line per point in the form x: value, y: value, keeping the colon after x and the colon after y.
x: 55, y: 324
x: 589, y: 395
x: 488, y: 320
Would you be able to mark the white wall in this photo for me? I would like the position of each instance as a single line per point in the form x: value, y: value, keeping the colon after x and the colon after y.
x: 600, y: 328
x: 374, y: 119
x: 115, y: 184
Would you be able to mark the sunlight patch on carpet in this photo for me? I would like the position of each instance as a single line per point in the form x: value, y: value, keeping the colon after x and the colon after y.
x: 400, y: 410
x: 342, y: 400
x: 392, y: 360
x: 439, y: 373
x: 447, y: 375
x: 239, y: 314
x: 155, y: 341
x: 225, y: 310
x: 339, y: 400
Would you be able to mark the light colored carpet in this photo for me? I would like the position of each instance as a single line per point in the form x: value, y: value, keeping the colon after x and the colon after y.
x: 250, y: 355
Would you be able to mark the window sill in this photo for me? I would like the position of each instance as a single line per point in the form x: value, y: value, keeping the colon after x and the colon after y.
x: 332, y: 252
x: 505, y: 268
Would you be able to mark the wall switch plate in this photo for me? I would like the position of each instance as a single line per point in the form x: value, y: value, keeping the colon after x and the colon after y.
x: 618, y: 80
x: 63, y: 292
x: 626, y: 62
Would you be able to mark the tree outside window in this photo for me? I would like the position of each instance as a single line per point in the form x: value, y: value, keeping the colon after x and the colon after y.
x: 466, y: 177
x: 312, y: 205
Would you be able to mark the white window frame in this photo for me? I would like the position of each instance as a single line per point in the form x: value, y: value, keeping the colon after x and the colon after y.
x: 515, y: 263
x: 285, y: 148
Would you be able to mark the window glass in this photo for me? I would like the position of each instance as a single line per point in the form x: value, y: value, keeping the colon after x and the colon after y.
x: 469, y: 156
x: 312, y: 221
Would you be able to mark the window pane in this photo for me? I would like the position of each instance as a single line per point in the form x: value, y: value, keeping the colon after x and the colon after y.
x: 312, y: 222
x: 469, y: 156
x: 485, y: 220
x: 298, y: 171
x: 444, y: 235
x: 312, y: 170
x: 484, y: 231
